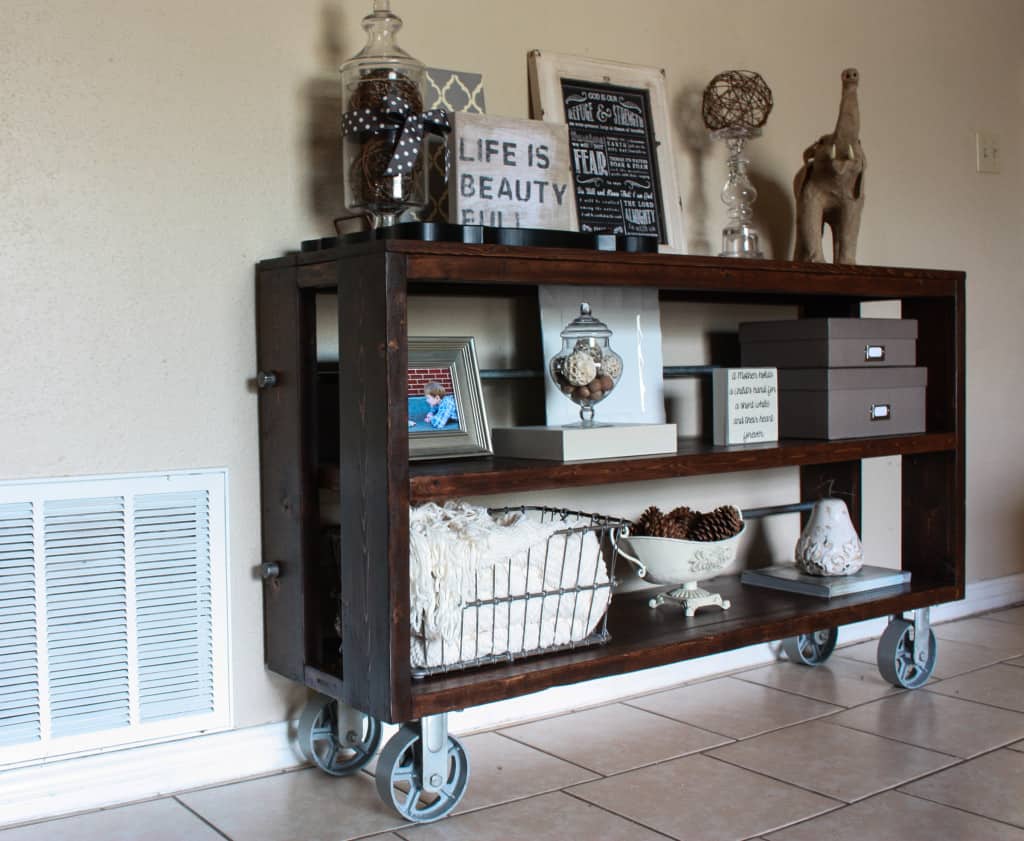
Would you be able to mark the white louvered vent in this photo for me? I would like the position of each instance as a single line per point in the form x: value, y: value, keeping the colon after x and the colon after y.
x: 112, y: 612
x: 86, y: 614
x: 19, y: 668
x: 174, y: 608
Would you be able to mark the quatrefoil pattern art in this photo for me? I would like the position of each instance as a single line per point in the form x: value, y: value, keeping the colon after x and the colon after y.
x: 452, y: 90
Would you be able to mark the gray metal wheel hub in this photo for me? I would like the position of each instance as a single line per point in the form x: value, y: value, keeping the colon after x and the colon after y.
x: 338, y: 739
x: 402, y: 783
x: 899, y: 662
x: 811, y: 649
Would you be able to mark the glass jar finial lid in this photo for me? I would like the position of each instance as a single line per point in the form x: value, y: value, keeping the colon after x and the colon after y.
x: 381, y: 27
x: 585, y: 325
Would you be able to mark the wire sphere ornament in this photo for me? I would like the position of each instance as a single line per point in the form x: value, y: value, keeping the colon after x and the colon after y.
x: 736, y: 104
x: 377, y: 86
x: 736, y: 99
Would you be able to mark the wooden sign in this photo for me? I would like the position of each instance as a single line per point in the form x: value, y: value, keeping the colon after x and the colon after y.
x: 510, y: 173
x: 746, y: 405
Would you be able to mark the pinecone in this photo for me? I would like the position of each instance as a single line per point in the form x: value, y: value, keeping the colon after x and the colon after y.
x: 685, y: 518
x: 676, y: 529
x: 733, y: 517
x: 650, y: 523
x: 724, y: 522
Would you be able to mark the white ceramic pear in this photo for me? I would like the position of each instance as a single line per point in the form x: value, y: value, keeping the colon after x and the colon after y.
x: 829, y: 544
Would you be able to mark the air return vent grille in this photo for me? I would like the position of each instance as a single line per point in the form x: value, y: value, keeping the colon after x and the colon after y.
x: 112, y: 612
x: 19, y: 642
x: 86, y: 614
x: 174, y: 609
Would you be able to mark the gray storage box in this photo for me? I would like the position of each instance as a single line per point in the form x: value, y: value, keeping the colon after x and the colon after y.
x: 829, y: 343
x: 851, y: 402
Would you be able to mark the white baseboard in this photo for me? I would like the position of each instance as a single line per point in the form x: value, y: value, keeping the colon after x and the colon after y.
x: 991, y: 594
x: 74, y: 785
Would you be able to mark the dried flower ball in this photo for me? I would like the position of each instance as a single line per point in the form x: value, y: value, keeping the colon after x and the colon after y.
x: 584, y: 346
x: 612, y: 366
x: 580, y: 368
x: 736, y: 99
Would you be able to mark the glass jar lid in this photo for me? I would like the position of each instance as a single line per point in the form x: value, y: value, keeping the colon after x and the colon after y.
x: 382, y: 49
x: 586, y: 326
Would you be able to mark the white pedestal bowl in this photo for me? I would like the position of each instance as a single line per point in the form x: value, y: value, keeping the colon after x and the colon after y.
x: 664, y: 560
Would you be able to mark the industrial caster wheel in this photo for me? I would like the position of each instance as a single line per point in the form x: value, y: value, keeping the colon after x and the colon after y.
x: 811, y: 649
x: 896, y: 660
x: 416, y: 793
x: 339, y: 739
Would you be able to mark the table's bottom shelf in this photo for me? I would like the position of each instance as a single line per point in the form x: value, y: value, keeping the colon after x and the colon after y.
x: 642, y: 637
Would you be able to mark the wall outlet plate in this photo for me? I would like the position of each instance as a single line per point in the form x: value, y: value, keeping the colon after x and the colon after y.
x: 987, y: 145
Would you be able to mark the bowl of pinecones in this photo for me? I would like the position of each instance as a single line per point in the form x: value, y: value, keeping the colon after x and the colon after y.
x: 682, y: 548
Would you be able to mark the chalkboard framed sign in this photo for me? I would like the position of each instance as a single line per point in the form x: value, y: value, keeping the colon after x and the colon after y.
x: 620, y: 150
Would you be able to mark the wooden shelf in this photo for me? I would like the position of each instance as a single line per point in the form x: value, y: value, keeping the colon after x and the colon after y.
x: 642, y: 638
x: 453, y: 263
x: 695, y: 457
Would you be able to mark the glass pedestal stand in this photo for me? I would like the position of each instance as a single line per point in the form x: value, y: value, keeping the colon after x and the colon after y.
x: 739, y: 237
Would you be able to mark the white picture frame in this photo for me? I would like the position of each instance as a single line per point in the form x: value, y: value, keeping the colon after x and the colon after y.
x: 546, y: 73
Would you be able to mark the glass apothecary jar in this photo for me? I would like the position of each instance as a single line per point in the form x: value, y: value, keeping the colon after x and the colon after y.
x: 383, y: 137
x: 586, y: 369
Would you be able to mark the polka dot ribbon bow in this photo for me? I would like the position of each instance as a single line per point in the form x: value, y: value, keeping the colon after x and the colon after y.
x: 396, y: 113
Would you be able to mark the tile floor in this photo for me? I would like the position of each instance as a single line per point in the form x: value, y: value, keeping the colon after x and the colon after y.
x: 775, y: 753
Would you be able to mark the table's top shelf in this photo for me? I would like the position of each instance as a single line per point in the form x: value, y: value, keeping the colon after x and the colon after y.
x: 485, y: 263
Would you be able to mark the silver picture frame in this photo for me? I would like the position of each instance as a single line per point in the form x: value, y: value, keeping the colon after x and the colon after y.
x: 469, y: 435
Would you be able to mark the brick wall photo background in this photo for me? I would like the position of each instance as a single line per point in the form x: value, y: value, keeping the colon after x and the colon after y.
x: 419, y: 377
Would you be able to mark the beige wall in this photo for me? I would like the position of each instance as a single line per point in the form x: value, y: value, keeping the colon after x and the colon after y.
x: 151, y: 152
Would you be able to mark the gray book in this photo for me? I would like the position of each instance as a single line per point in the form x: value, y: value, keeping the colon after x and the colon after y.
x: 788, y: 577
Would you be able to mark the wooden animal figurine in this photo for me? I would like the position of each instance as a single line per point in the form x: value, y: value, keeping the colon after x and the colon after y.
x: 829, y: 187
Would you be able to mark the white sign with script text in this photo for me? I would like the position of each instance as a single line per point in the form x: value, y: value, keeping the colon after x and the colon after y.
x: 746, y: 405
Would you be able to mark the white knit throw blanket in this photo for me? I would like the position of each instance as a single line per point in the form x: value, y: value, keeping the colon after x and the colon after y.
x: 448, y: 546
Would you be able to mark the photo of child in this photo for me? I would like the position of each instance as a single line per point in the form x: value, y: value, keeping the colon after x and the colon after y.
x: 445, y: 399
x: 433, y: 407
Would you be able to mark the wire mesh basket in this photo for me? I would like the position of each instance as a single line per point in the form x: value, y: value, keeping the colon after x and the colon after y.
x: 551, y: 597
